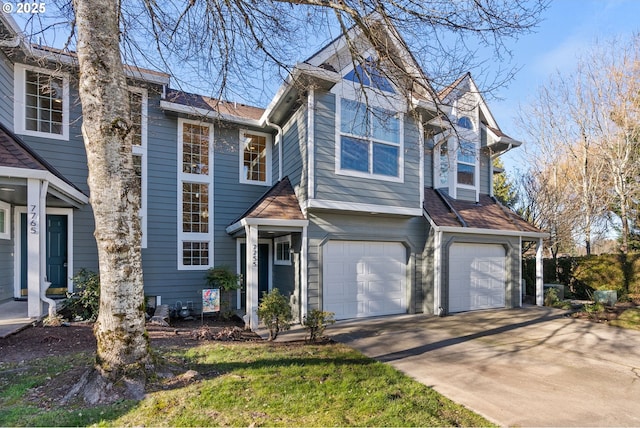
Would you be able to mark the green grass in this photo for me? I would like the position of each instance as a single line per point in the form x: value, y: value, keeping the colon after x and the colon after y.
x: 254, y: 383
x: 628, y: 319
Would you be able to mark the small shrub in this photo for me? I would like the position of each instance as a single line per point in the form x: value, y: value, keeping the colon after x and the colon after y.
x: 594, y: 310
x: 274, y: 311
x: 84, y: 303
x: 222, y: 277
x: 316, y: 321
x: 551, y: 297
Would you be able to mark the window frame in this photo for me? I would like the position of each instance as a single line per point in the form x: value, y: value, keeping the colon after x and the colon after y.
x: 20, y: 102
x: 277, y: 242
x: 141, y: 151
x: 474, y: 164
x: 5, y: 232
x: 268, y: 157
x: 369, y: 139
x: 202, y: 179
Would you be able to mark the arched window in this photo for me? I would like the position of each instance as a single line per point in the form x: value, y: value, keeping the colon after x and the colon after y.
x: 465, y: 122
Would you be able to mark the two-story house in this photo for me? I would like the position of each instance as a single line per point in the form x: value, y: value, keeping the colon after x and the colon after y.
x: 351, y: 192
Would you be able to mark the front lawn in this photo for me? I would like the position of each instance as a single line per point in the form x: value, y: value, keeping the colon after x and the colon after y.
x: 242, y: 384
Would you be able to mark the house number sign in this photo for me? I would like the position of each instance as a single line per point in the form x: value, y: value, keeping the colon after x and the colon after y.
x: 254, y: 255
x: 33, y: 219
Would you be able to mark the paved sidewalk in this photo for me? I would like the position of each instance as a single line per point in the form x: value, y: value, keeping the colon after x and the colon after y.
x: 13, y: 317
x: 520, y: 367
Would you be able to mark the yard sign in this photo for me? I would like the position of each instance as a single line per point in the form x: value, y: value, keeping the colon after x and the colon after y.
x: 211, y: 300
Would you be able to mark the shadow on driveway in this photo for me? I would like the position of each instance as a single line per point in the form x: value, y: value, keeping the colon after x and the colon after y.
x: 529, y: 367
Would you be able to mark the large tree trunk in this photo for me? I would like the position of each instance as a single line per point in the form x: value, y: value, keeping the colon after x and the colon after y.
x: 123, y: 352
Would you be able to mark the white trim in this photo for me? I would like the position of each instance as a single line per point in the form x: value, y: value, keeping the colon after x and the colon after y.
x: 311, y: 144
x: 6, y: 209
x: 368, y: 208
x: 269, y: 222
x: 475, y: 164
x: 276, y: 242
x: 437, y: 274
x: 206, y: 179
x: 19, y: 102
x: 477, y: 231
x: 268, y: 157
x: 142, y: 151
x: 304, y: 279
x: 17, y: 268
x: 55, y: 181
x: 370, y: 140
x: 239, y: 242
x: 421, y: 149
x: 207, y: 114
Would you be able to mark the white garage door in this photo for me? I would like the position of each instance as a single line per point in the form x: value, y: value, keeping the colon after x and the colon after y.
x: 476, y: 277
x: 364, y: 279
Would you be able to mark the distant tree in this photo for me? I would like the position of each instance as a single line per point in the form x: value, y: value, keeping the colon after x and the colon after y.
x: 504, y: 189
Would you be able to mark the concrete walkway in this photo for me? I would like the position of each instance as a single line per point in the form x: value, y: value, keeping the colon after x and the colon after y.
x: 13, y: 317
x: 520, y: 367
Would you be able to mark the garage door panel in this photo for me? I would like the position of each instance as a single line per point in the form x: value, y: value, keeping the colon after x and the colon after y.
x: 476, y: 277
x: 368, y: 278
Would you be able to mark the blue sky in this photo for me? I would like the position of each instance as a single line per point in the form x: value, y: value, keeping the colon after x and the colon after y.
x: 569, y: 28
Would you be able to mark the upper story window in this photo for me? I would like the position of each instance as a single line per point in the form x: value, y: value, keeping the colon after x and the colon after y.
x: 465, y: 122
x: 443, y: 165
x: 466, y: 168
x: 255, y: 158
x: 41, y: 102
x: 138, y: 110
x: 370, y: 141
x: 195, y: 149
x: 5, y: 231
x: 195, y: 202
x: 370, y: 76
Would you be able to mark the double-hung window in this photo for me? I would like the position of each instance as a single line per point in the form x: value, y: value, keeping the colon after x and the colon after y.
x: 41, y: 102
x: 138, y: 111
x: 195, y: 204
x: 466, y: 171
x: 255, y: 158
x: 370, y: 141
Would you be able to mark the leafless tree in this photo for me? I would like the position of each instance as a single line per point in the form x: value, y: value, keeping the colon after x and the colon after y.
x: 586, y: 124
x: 234, y: 46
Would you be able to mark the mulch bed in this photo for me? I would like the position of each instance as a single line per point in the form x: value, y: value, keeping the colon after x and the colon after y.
x: 40, y: 341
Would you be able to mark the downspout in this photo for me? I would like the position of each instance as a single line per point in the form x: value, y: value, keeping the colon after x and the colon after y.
x: 44, y: 283
x: 279, y: 143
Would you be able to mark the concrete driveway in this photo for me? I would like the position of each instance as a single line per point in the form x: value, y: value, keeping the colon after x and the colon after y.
x: 519, y: 367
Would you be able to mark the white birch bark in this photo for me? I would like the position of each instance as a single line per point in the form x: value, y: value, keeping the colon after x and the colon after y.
x: 120, y: 329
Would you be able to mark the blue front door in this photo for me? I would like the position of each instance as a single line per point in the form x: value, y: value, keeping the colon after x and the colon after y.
x: 56, y: 253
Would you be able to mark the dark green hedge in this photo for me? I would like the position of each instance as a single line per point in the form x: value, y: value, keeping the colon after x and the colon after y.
x: 581, y: 275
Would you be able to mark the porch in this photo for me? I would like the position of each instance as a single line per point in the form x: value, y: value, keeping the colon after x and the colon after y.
x: 13, y: 317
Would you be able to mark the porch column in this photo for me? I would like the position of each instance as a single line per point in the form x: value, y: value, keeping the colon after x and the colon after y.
x: 252, y: 275
x: 539, y: 278
x: 304, y: 279
x: 36, y: 241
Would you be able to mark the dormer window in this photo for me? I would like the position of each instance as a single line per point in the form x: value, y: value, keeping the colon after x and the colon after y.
x: 465, y: 122
x: 370, y: 76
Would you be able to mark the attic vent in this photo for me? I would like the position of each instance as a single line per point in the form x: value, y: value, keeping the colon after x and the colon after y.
x: 327, y: 66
